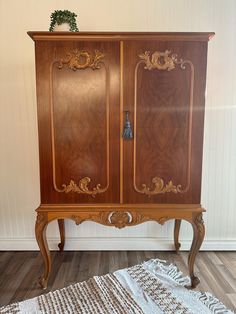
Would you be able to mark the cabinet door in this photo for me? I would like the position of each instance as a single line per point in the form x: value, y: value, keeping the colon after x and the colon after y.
x: 78, y: 106
x: 164, y: 92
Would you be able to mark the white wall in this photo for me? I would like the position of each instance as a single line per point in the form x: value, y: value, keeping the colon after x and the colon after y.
x: 19, y: 175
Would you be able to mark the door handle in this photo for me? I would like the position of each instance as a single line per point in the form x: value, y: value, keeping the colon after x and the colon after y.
x: 127, y: 131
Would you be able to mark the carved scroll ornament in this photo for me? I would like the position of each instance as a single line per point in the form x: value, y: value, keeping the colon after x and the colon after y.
x: 160, y: 187
x: 82, y: 187
x: 41, y: 219
x: 199, y: 222
x: 160, y: 60
x: 81, y: 59
x: 118, y: 219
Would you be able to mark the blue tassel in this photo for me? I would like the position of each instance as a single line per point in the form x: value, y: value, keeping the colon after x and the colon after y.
x: 127, y: 133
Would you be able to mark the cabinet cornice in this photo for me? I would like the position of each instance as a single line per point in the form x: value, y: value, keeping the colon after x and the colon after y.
x: 113, y: 36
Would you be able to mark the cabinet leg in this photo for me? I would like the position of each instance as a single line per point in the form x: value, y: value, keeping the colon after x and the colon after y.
x: 198, y: 236
x: 40, y: 233
x: 176, y: 234
x: 61, y: 225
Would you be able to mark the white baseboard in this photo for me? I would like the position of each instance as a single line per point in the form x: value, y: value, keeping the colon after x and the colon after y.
x: 115, y: 244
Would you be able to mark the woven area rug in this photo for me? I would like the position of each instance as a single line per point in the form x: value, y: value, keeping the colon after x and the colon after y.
x: 151, y: 287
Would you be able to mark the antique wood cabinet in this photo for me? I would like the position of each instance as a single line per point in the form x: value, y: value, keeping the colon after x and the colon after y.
x: 120, y: 119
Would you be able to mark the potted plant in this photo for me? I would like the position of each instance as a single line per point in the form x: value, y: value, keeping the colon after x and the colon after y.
x: 63, y: 21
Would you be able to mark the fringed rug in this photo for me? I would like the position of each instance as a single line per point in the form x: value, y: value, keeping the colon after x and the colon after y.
x: 151, y: 287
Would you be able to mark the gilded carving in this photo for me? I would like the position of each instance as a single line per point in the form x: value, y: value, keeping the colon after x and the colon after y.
x: 82, y: 187
x: 120, y: 219
x: 160, y: 187
x: 41, y: 218
x: 162, y: 220
x: 78, y: 220
x: 81, y: 59
x: 160, y: 60
x: 200, y: 224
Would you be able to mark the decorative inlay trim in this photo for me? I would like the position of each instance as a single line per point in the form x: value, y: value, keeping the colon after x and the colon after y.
x: 73, y: 61
x: 168, y: 62
x: 121, y: 118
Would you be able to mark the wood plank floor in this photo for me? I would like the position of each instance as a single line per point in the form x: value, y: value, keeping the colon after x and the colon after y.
x: 19, y: 271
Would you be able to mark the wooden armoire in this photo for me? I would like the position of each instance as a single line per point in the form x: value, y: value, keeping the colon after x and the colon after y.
x: 120, y: 120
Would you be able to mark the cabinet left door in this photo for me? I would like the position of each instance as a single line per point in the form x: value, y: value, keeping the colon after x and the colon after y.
x: 78, y: 121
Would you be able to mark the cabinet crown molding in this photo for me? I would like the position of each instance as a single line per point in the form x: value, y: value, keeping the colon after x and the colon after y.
x: 165, y: 36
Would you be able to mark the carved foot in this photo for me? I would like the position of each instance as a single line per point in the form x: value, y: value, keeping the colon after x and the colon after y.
x: 199, y: 233
x: 43, y: 283
x: 176, y: 235
x: 61, y: 225
x: 177, y: 247
x: 61, y: 247
x: 194, y: 282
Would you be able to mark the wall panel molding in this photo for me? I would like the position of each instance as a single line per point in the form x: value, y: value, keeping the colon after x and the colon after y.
x: 115, y: 244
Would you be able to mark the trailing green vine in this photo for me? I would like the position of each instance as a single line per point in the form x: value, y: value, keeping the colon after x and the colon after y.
x: 59, y: 17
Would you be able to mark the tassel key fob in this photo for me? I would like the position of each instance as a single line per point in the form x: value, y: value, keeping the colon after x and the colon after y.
x: 127, y: 132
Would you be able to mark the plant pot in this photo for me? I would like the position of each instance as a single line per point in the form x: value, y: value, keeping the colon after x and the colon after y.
x: 64, y: 27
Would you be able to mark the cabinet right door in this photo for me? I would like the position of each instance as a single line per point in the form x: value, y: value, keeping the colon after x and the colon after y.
x: 164, y: 90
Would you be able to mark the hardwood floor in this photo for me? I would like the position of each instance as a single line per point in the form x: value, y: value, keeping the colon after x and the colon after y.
x: 19, y: 271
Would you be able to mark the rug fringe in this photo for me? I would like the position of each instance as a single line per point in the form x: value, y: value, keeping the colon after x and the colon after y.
x: 170, y: 270
x: 210, y: 301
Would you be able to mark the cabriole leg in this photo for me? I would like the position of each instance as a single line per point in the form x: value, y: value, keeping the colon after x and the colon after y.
x: 176, y: 234
x: 61, y: 225
x: 40, y: 233
x: 198, y: 236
